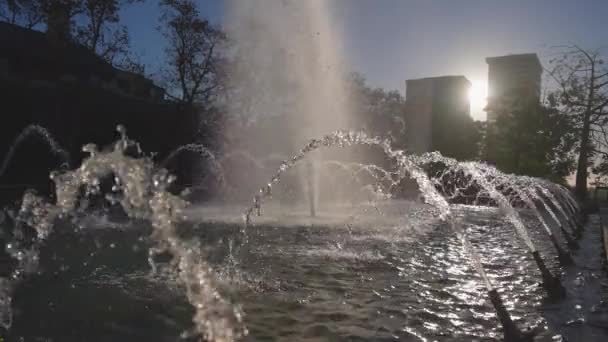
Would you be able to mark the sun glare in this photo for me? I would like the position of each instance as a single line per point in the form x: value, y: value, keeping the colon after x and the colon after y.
x: 478, y: 95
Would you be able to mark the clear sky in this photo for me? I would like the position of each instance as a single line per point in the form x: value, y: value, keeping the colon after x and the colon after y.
x: 389, y: 41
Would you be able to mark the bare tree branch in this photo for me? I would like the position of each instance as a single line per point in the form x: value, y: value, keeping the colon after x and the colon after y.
x: 192, y: 51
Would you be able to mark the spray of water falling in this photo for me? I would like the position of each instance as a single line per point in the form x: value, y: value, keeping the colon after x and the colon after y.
x: 406, y: 167
x: 289, y: 79
x: 204, y: 153
x: 47, y: 138
x: 141, y: 190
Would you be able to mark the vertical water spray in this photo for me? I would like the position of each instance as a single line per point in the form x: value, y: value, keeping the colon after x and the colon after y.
x: 289, y: 78
x: 312, y: 187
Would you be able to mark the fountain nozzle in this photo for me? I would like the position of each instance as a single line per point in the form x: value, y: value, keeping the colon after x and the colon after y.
x: 563, y: 256
x: 511, y: 331
x: 572, y: 244
x: 551, y: 283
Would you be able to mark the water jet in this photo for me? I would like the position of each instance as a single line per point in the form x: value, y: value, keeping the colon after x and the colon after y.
x: 550, y: 283
x: 311, y: 185
x: 487, y: 177
x: 411, y: 167
x: 511, y: 331
x: 563, y: 257
x: 47, y: 138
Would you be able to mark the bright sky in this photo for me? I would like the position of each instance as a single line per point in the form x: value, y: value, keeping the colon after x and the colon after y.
x: 389, y: 41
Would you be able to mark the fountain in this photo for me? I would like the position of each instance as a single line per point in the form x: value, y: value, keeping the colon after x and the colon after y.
x: 394, y: 273
x: 563, y: 257
x: 47, y: 138
x: 203, y: 152
x: 141, y: 190
x: 550, y: 282
x: 409, y: 165
x: 533, y: 188
x: 289, y: 68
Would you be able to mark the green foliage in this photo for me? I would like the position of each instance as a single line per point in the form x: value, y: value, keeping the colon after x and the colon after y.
x: 581, y: 77
x: 529, y: 138
x: 378, y: 111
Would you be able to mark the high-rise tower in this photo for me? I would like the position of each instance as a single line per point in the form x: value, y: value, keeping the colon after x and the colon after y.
x: 512, y: 75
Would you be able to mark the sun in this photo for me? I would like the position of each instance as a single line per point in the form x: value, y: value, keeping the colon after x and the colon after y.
x: 478, y: 95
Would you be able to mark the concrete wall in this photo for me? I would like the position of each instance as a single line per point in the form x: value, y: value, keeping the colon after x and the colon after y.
x: 418, y: 115
x: 437, y: 113
x: 508, y: 74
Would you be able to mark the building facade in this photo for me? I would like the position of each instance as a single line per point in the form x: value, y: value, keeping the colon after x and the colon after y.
x: 438, y: 116
x: 512, y: 75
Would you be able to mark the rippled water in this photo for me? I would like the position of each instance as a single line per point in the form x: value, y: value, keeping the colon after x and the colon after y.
x: 404, y: 278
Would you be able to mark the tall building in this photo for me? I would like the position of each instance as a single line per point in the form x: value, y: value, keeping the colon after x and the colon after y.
x: 438, y: 116
x: 512, y: 75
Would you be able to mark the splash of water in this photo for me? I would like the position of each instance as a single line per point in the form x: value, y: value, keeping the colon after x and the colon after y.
x: 288, y: 66
x: 203, y: 152
x: 525, y: 197
x: 141, y: 189
x: 47, y: 138
x: 356, y: 170
x: 405, y: 164
x: 486, y: 177
x: 556, y: 203
x: 242, y: 155
x: 535, y: 189
x: 568, y: 199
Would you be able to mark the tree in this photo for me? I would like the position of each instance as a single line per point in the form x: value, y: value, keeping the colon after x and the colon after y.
x: 529, y: 137
x: 101, y: 32
x: 582, y: 94
x: 378, y: 111
x: 27, y: 13
x: 193, y: 52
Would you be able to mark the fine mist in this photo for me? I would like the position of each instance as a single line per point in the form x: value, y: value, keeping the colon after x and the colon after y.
x: 288, y: 84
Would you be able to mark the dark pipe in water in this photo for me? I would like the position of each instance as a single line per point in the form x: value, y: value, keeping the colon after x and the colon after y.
x: 563, y: 256
x: 572, y: 244
x: 576, y: 229
x: 511, y: 332
x: 551, y: 283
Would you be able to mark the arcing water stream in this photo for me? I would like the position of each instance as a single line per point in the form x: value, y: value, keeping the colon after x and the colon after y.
x: 141, y: 190
x: 45, y: 135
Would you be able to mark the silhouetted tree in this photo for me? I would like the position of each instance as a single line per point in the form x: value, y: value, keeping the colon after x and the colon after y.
x: 26, y: 13
x: 99, y: 29
x: 101, y: 32
x: 378, y: 111
x: 529, y: 138
x: 193, y: 52
x: 582, y: 94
